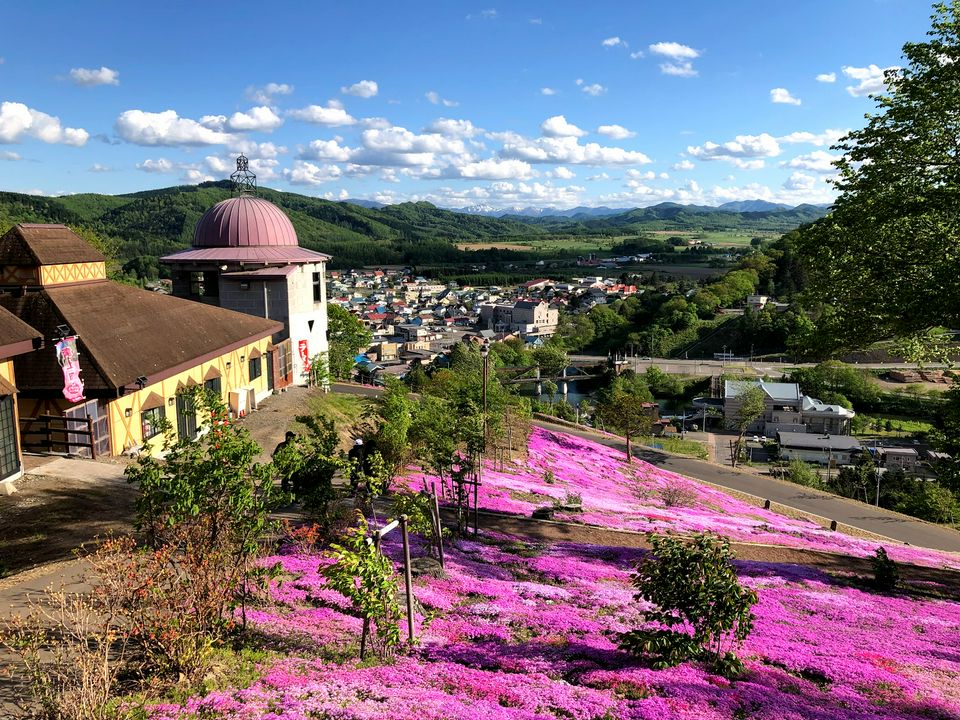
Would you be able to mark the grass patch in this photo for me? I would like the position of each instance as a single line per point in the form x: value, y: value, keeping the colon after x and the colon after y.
x: 690, y: 448
x: 344, y: 410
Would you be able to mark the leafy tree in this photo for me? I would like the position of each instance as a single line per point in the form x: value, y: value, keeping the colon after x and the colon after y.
x: 752, y: 406
x: 346, y: 336
x: 627, y: 412
x: 392, y: 407
x: 885, y: 258
x: 366, y: 577
x: 700, y: 609
x: 551, y: 358
x: 802, y: 474
x: 432, y: 430
x: 886, y: 575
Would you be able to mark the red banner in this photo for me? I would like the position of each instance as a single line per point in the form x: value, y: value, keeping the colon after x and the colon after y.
x: 304, y: 355
x: 70, y: 364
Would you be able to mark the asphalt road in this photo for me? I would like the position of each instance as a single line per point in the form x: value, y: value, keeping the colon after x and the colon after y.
x: 856, y: 514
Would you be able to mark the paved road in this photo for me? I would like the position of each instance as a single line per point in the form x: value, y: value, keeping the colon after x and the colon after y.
x: 716, y: 367
x: 850, y: 512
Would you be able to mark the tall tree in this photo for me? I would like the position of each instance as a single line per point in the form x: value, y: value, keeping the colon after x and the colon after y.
x: 752, y: 406
x: 627, y: 412
x: 346, y: 336
x: 885, y: 259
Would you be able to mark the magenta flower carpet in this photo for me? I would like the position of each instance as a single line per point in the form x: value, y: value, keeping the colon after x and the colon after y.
x: 517, y: 630
x: 629, y: 497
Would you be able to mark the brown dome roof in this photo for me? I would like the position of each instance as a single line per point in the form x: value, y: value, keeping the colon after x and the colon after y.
x: 244, y: 221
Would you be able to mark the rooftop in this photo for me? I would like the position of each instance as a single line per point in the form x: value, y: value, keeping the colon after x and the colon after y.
x: 811, y: 441
x: 34, y: 244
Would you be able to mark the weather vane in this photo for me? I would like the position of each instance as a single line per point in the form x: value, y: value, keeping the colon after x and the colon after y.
x: 244, y: 181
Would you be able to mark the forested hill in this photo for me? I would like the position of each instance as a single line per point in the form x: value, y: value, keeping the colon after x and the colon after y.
x: 672, y: 216
x: 146, y: 225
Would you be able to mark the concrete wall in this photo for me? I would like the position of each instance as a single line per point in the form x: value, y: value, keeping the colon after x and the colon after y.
x: 308, y: 319
x: 263, y: 298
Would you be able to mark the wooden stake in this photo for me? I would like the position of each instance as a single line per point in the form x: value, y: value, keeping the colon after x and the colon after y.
x: 408, y: 578
x: 436, y: 519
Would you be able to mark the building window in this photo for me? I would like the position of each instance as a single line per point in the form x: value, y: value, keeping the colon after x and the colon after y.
x: 213, y: 385
x: 197, y: 286
x: 317, y: 287
x: 9, y: 457
x: 255, y: 368
x: 150, y: 422
x: 286, y: 360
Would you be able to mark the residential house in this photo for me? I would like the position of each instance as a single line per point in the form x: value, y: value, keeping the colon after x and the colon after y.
x: 786, y: 409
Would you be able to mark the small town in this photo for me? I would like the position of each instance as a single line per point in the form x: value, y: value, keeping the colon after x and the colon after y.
x: 403, y: 362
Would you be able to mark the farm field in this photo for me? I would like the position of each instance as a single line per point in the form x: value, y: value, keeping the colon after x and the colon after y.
x: 516, y: 630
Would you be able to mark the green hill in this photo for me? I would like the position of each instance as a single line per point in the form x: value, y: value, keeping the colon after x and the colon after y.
x: 141, y: 227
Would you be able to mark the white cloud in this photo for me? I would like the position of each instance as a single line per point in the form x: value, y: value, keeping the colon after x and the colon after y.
x: 99, y: 168
x: 782, y: 96
x: 827, y: 77
x: 264, y: 95
x: 683, y: 165
x: 329, y: 150
x: 162, y: 165
x: 434, y: 97
x: 363, y: 89
x: 165, y: 128
x: 568, y: 151
x: 547, y: 91
x: 488, y: 14
x: 331, y: 115
x: 637, y: 55
x: 557, y: 126
x: 594, y: 89
x: 645, y: 175
x: 827, y: 137
x: 500, y: 194
x: 744, y: 151
x: 195, y: 176
x: 869, y: 79
x: 617, y: 132
x: 598, y: 176
x: 562, y: 173
x: 453, y: 128
x: 11, y: 156
x: 376, y: 122
x: 88, y: 77
x: 613, y: 42
x: 18, y: 120
x: 306, y: 173
x: 533, y: 21
x: 255, y: 150
x: 493, y: 169
x: 674, y: 50
x: 261, y: 119
x: 799, y: 181
x: 218, y: 164
x: 817, y: 161
x: 679, y: 69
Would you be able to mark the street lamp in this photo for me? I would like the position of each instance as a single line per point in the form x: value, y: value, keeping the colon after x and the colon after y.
x: 485, y: 354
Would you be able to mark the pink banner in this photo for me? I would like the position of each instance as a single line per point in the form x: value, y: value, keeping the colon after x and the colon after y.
x: 70, y: 363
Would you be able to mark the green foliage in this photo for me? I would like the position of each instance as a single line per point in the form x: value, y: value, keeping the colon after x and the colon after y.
x: 624, y: 407
x: 432, y: 432
x: 366, y: 577
x: 802, y: 474
x: 832, y: 378
x: 752, y: 406
x: 885, y: 258
x: 886, y: 576
x: 346, y: 336
x: 392, y: 409
x: 701, y: 611
x: 551, y: 358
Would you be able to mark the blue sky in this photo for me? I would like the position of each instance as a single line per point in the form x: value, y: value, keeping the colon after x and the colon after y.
x: 500, y: 104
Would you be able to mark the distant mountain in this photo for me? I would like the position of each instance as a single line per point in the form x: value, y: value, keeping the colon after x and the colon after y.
x: 365, y: 203
x: 753, y: 206
x: 528, y: 212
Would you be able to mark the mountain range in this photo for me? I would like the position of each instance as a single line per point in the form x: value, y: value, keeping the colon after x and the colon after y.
x: 143, y: 226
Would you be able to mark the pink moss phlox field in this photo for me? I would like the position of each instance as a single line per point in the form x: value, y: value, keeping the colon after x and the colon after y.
x: 627, y: 497
x: 523, y: 631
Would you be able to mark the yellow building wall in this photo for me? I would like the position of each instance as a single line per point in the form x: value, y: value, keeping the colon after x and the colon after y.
x: 71, y: 273
x: 126, y: 432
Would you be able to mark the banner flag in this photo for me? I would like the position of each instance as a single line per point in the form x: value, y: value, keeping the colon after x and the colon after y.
x: 70, y: 364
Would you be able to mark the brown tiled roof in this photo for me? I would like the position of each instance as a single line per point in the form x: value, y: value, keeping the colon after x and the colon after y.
x: 16, y: 336
x: 28, y: 244
x: 125, y: 332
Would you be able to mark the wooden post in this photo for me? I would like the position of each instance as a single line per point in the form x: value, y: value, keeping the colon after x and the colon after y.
x: 436, y: 519
x: 408, y: 578
x: 93, y: 443
x: 476, y: 508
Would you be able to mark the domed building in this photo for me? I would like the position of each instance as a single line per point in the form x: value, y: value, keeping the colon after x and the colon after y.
x: 246, y: 257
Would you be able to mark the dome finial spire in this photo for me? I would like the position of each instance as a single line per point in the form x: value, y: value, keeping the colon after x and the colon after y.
x: 244, y: 181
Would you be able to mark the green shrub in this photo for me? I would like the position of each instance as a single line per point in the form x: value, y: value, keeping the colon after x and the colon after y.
x: 802, y: 474
x: 701, y: 611
x: 886, y: 576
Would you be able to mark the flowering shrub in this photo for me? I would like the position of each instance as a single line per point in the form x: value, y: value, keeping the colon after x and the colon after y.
x: 700, y: 608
